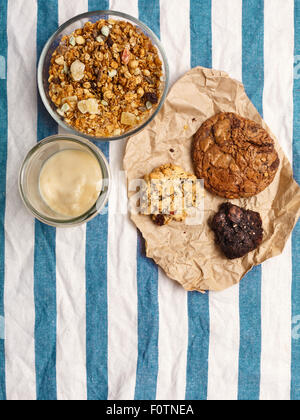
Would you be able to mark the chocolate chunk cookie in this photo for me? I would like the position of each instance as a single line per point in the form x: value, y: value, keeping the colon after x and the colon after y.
x: 238, y: 231
x: 235, y: 156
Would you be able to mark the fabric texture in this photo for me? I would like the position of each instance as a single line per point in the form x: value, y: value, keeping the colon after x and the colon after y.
x: 83, y: 313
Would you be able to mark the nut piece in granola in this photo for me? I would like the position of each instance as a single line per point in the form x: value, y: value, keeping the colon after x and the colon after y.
x: 77, y: 70
x: 128, y: 118
x: 60, y: 61
x: 89, y: 106
x: 80, y: 40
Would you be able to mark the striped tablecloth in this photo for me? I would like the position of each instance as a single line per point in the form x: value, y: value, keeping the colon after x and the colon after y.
x: 86, y: 315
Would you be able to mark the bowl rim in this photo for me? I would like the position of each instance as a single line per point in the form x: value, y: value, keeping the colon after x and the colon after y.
x: 69, y: 22
x: 94, y: 210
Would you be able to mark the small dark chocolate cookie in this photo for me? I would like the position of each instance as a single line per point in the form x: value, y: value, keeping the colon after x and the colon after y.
x: 238, y: 231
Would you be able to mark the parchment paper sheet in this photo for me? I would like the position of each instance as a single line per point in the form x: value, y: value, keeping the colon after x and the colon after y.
x: 188, y: 254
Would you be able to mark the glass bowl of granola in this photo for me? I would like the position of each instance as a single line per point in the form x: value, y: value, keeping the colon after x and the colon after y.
x: 103, y: 75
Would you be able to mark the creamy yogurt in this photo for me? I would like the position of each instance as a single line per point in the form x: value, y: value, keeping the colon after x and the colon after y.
x: 70, y: 182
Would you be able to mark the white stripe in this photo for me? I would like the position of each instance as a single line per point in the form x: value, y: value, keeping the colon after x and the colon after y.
x: 227, y: 36
x: 173, y: 315
x: 173, y: 339
x: 224, y: 344
x: 175, y: 35
x: 71, y: 314
x: 224, y: 306
x: 19, y: 225
x: 277, y: 273
x: 121, y: 276
x: 279, y: 65
x: 70, y: 286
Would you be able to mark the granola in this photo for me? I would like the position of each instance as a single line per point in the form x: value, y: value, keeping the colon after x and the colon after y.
x: 105, y: 78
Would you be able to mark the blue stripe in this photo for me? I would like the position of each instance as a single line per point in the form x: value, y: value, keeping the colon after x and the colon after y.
x: 198, y: 346
x: 250, y: 287
x: 96, y: 289
x: 96, y: 308
x: 201, y: 36
x: 148, y: 325
x: 3, y: 159
x: 198, y: 304
x: 147, y: 278
x: 253, y: 51
x: 95, y: 5
x: 150, y: 15
x: 44, y: 253
x: 295, y: 383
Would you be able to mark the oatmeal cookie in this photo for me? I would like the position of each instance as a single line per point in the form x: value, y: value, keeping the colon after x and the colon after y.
x: 238, y: 231
x: 235, y: 156
x: 167, y: 194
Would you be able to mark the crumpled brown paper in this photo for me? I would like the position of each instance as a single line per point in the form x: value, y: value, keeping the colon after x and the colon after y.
x: 189, y: 254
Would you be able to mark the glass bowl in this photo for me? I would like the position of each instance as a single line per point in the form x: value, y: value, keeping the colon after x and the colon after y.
x: 30, y: 173
x: 66, y: 29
